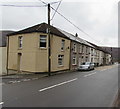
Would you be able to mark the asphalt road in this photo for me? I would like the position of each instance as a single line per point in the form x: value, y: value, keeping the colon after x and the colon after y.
x: 95, y: 88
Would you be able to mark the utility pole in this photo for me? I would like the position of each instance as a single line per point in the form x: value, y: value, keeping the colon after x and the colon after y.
x: 49, y: 45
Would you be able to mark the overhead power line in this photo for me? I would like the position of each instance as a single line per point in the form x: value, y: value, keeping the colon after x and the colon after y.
x: 75, y: 25
x: 43, y: 2
x: 55, y: 2
x: 72, y: 23
x: 23, y: 5
x: 50, y: 2
x: 56, y: 10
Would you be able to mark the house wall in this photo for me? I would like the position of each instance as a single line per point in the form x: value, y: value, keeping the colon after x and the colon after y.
x: 101, y: 58
x: 77, y: 54
x: 3, y: 58
x: 92, y: 55
x: 34, y: 58
x: 28, y: 51
x: 81, y: 55
x: 108, y: 59
x: 56, y: 50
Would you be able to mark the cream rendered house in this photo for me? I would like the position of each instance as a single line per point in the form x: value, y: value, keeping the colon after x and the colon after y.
x: 3, y: 51
x: 28, y: 50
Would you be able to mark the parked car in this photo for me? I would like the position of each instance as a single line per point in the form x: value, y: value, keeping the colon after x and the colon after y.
x: 86, y: 66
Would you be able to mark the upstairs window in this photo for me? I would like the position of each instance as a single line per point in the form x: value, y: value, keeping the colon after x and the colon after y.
x: 86, y: 50
x: 82, y: 48
x: 74, y: 60
x: 20, y: 41
x: 60, y: 60
x: 43, y: 40
x: 62, y: 45
x: 91, y: 51
x: 74, y: 48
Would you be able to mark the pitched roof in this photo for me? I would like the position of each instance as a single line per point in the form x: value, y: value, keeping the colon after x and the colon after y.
x: 3, y: 37
x: 43, y: 27
x: 77, y: 39
x: 98, y: 47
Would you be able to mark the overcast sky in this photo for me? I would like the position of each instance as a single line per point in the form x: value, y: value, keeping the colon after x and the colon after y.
x: 98, y: 18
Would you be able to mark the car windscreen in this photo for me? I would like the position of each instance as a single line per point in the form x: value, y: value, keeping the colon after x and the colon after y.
x: 85, y: 63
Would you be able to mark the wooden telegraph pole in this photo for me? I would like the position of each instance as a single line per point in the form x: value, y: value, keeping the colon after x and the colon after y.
x: 49, y: 47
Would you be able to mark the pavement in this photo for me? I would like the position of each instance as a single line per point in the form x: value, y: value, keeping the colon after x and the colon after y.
x: 20, y: 77
x: 96, y: 88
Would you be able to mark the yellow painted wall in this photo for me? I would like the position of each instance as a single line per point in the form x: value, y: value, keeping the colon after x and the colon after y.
x: 56, y: 50
x: 3, y: 57
x: 41, y: 56
x: 35, y: 59
x: 28, y: 60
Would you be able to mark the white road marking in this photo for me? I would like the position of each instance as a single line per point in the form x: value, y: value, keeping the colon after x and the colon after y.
x: 26, y: 80
x: 90, y: 74
x: 57, y: 85
x: 12, y: 81
x: 103, y: 69
x: 34, y: 78
x: 86, y: 72
x: 2, y: 83
x: 1, y: 103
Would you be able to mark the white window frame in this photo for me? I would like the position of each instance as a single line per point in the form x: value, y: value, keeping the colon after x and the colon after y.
x: 60, y: 58
x: 62, y: 45
x: 86, y: 50
x: 74, y: 60
x: 86, y: 58
x: 80, y: 48
x: 74, y: 47
x: 20, y: 42
x: 42, y: 40
x: 92, y: 52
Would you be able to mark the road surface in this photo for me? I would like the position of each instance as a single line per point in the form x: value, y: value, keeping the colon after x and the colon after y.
x: 96, y: 88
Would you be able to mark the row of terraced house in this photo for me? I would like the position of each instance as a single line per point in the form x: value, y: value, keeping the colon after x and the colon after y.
x: 27, y: 50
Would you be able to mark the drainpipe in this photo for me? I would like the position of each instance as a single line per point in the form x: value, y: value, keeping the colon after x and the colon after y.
x: 49, y: 45
x: 7, y: 54
x: 70, y: 56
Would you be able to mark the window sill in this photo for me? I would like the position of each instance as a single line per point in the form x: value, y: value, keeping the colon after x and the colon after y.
x: 42, y: 48
x: 19, y: 48
x: 74, y: 64
x: 75, y: 52
x: 60, y: 65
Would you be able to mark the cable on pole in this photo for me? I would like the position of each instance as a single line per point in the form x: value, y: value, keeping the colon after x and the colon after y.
x: 51, y: 3
x: 56, y: 10
x: 72, y: 23
x: 23, y: 5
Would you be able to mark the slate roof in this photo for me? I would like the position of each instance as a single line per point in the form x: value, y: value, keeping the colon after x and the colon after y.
x: 77, y: 39
x: 43, y: 27
x: 3, y: 37
x: 98, y: 47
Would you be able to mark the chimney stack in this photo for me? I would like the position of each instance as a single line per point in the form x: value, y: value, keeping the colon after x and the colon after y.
x: 76, y: 35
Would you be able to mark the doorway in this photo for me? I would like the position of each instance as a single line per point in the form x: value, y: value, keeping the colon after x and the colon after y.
x: 19, y: 62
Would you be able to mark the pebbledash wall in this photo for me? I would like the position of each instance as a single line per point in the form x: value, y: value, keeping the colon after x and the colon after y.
x: 34, y: 58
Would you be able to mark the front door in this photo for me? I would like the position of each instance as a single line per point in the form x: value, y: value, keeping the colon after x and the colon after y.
x: 19, y: 62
